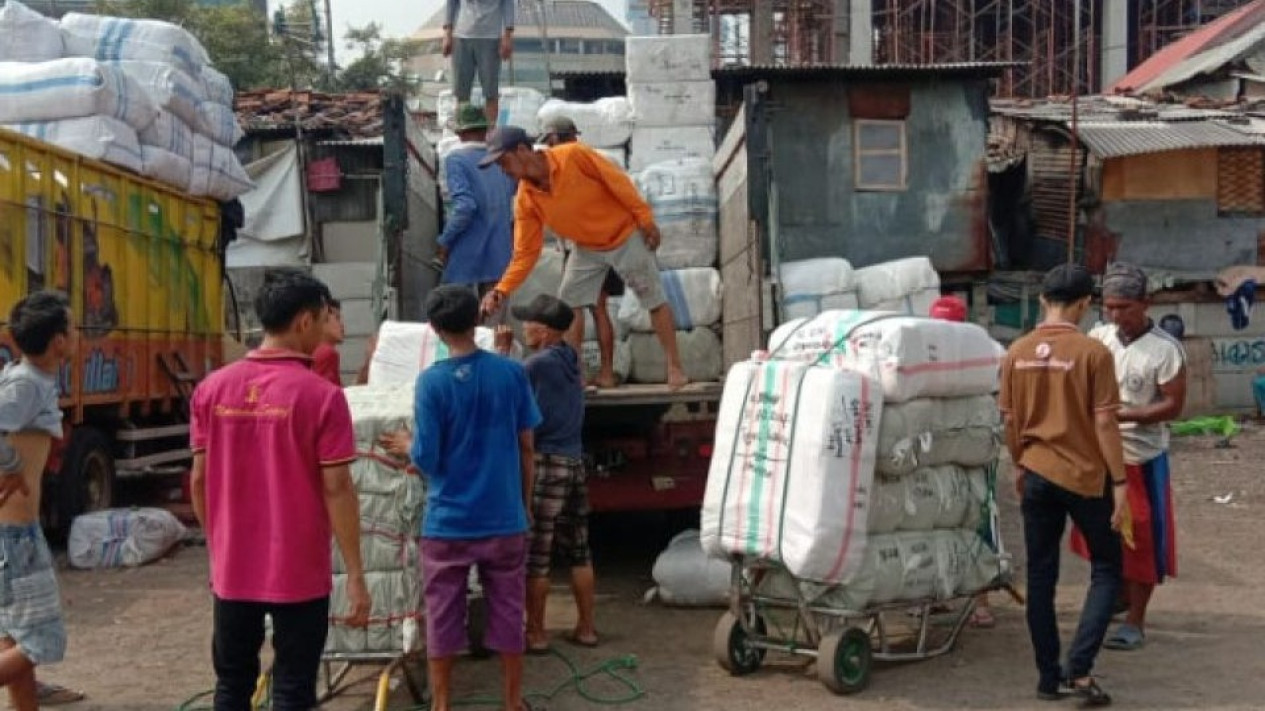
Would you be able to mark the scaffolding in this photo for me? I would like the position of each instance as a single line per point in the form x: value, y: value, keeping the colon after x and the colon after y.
x: 1037, y: 35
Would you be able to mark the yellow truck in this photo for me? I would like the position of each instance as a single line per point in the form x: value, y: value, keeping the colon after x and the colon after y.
x: 141, y: 263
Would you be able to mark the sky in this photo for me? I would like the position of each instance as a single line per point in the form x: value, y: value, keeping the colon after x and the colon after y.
x: 400, y: 18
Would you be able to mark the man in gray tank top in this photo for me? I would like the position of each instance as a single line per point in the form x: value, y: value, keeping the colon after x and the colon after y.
x: 478, y: 35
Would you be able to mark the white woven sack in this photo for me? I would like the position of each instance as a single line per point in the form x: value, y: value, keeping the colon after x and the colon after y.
x: 122, y: 537
x: 170, y: 134
x: 170, y: 88
x: 216, y: 86
x: 810, y: 286
x: 682, y: 194
x: 674, y: 103
x: 97, y: 137
x: 658, y: 144
x: 668, y: 58
x: 114, y: 38
x: 217, y: 172
x: 933, y: 431
x: 693, y: 294
x: 604, y: 123
x: 405, y: 349
x: 72, y: 88
x: 685, y: 576
x: 218, y: 123
x: 700, y: 351
x: 591, y: 358
x: 912, y: 357
x: 166, y: 167
x: 28, y: 36
x: 908, y: 286
x: 793, y: 468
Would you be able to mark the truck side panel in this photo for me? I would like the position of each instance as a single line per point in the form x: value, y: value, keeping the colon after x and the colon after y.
x: 741, y: 263
x: 138, y: 260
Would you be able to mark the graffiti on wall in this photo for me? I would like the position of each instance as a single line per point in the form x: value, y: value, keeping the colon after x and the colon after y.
x: 1236, y: 355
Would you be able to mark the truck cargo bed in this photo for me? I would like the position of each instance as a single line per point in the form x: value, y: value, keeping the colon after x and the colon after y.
x: 642, y: 394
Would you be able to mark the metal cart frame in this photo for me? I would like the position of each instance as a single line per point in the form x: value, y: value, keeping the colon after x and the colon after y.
x: 337, y: 667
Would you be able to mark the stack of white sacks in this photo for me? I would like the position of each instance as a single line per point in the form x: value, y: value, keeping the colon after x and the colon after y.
x: 673, y: 98
x: 858, y: 457
x: 807, y: 287
x: 140, y: 94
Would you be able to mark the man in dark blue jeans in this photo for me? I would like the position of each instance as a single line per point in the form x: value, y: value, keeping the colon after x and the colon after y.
x: 1059, y: 396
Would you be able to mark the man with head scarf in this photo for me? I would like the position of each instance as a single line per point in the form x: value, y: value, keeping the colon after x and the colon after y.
x: 1151, y: 370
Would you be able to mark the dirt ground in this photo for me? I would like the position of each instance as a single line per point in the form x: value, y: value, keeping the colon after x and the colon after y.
x: 140, y: 639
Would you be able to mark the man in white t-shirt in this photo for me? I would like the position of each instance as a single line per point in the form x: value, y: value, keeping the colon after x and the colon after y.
x: 1151, y: 370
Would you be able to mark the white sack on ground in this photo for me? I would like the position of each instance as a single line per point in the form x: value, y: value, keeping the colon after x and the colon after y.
x: 682, y: 194
x: 674, y: 103
x: 97, y: 137
x: 657, y: 144
x: 391, y: 508
x: 113, y: 38
x: 668, y: 58
x: 219, y: 123
x: 912, y: 357
x: 170, y: 89
x: 166, y: 167
x: 72, y: 88
x: 170, y: 134
x: 685, y: 576
x: 122, y: 537
x: 28, y: 36
x: 405, y: 349
x: 693, y: 294
x: 216, y: 86
x: 700, y: 351
x: 793, y: 468
x: 604, y: 123
x: 810, y: 286
x: 591, y: 357
x: 216, y: 171
x: 909, y: 286
x: 933, y: 431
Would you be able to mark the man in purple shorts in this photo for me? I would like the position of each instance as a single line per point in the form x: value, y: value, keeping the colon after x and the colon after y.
x: 475, y: 416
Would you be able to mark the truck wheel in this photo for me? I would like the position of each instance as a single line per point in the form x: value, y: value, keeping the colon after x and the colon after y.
x: 86, y: 480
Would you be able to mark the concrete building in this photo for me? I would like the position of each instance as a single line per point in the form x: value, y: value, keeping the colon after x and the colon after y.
x: 582, y: 36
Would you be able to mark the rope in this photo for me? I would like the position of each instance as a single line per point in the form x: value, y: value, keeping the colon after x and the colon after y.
x: 576, y: 679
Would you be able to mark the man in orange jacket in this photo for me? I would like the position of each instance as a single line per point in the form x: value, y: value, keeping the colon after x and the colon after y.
x: 578, y: 193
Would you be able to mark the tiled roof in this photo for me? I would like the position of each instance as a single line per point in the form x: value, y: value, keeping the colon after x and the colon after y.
x: 356, y: 115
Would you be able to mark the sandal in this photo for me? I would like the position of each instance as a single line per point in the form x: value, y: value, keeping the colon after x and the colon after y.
x: 982, y: 618
x: 1090, y: 694
x: 56, y: 695
x: 538, y: 649
x: 1126, y: 638
x: 577, y: 640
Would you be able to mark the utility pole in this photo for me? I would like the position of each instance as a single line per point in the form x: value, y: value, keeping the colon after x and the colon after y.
x: 1073, y: 163
x: 544, y: 46
x: 329, y: 41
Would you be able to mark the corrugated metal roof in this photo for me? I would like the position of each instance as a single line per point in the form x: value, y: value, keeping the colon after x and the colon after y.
x: 368, y: 142
x: 1130, y: 138
x: 983, y: 69
x: 1176, y: 59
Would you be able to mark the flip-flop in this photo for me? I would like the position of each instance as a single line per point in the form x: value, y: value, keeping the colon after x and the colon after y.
x: 1126, y: 638
x: 579, y: 641
x: 56, y: 695
x: 538, y: 650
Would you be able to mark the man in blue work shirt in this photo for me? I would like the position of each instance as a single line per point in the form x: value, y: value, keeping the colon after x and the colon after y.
x: 477, y: 240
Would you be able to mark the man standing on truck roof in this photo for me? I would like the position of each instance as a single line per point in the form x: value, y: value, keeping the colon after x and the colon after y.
x: 1059, y: 399
x: 325, y: 359
x: 478, y: 35
x: 475, y: 415
x: 32, y: 631
x: 576, y: 192
x: 1151, y: 370
x: 558, y: 131
x: 271, y: 444
x: 560, y: 498
x: 476, y: 242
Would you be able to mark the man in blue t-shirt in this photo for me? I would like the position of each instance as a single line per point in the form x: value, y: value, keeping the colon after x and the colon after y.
x: 474, y: 413
x: 560, y: 500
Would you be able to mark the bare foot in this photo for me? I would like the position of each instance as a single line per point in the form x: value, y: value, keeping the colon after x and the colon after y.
x: 677, y: 379
x: 605, y: 380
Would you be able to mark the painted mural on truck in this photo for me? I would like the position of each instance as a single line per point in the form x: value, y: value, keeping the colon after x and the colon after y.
x: 138, y: 262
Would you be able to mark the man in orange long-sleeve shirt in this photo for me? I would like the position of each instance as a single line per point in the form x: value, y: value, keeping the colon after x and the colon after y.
x: 578, y: 193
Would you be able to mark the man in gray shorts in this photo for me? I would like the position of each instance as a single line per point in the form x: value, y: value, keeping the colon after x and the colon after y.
x: 575, y: 191
x: 478, y: 35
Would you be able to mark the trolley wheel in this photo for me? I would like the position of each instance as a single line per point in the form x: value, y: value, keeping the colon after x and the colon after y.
x: 477, y: 626
x: 844, y: 659
x: 732, y: 645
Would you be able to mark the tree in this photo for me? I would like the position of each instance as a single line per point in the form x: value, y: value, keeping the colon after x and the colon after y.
x: 382, y: 63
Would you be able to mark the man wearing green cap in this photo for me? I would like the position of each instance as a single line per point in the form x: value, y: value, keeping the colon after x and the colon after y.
x: 477, y: 240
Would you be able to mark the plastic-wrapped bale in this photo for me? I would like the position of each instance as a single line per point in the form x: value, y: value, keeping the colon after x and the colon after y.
x: 391, y: 510
x: 519, y: 106
x: 930, y: 498
x: 810, y: 286
x: 218, y: 123
x: 216, y: 86
x: 700, y: 356
x: 166, y: 167
x: 217, y: 172
x: 693, y: 294
x: 604, y: 123
x: 404, y: 350
x: 591, y: 358
x: 170, y: 88
x: 657, y: 144
x: 793, y: 468
x: 122, y: 537
x: 674, y: 103
x: 685, y: 576
x: 27, y: 36
x: 114, y: 38
x: 668, y: 58
x: 97, y: 137
x: 909, y: 286
x: 933, y: 431
x: 72, y: 88
x: 170, y: 134
x: 912, y: 357
x: 544, y: 278
x: 682, y: 194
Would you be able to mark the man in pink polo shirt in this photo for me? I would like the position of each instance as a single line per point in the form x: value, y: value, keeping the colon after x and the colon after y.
x: 272, y: 442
